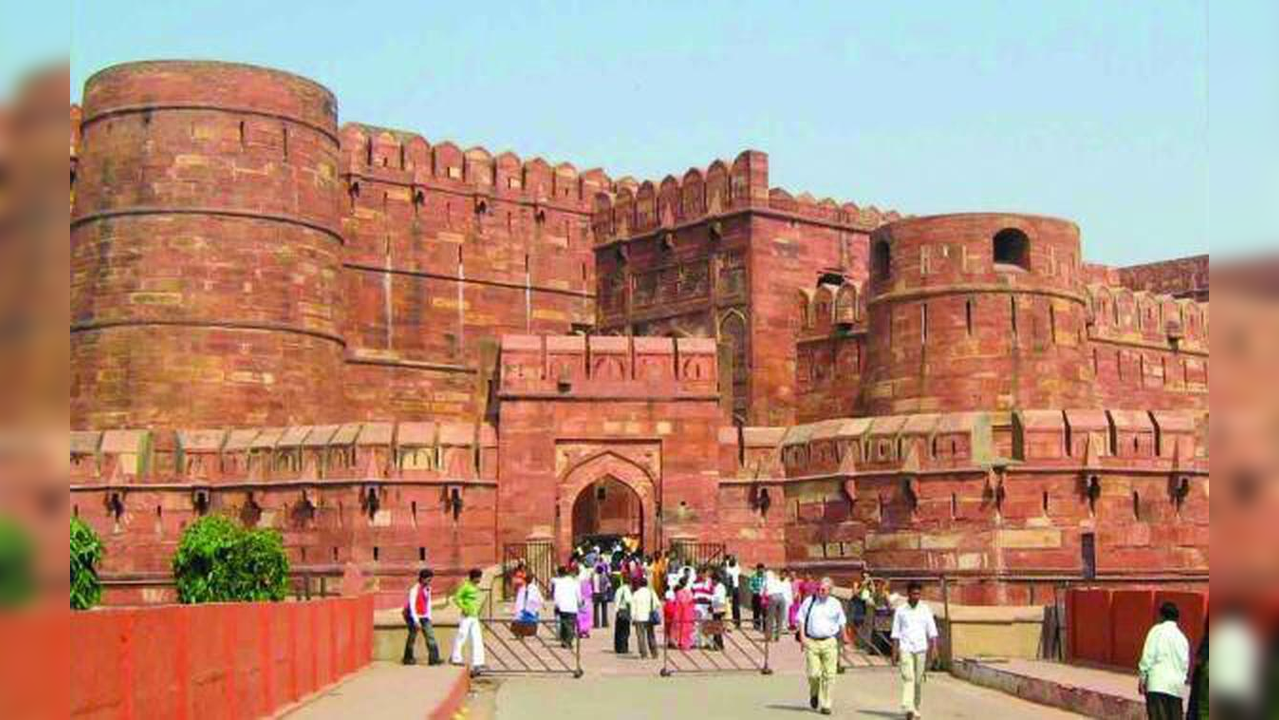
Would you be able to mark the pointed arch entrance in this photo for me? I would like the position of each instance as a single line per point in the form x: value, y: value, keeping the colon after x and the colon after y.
x: 607, y: 507
x: 632, y: 504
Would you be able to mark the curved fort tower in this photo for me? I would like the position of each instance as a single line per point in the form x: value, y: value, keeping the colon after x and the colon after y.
x: 205, y: 249
x: 976, y: 312
x: 401, y: 352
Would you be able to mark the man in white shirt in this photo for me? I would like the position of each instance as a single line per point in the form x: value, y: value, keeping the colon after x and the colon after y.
x: 733, y: 583
x: 1165, y: 660
x: 644, y: 604
x: 775, y: 591
x: 821, y: 621
x: 914, y: 637
x: 566, y: 592
x: 417, y: 615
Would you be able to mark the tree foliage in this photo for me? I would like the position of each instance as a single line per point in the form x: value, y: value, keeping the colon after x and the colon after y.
x: 218, y: 560
x: 86, y: 555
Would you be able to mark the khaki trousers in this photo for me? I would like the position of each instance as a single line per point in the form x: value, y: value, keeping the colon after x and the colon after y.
x: 821, y: 661
x: 913, y: 667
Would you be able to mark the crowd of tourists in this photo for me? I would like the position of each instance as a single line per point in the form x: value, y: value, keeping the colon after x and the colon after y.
x: 632, y: 594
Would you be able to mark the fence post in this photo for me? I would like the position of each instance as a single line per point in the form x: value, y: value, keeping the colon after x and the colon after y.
x: 666, y: 649
x: 577, y: 658
x: 950, y: 625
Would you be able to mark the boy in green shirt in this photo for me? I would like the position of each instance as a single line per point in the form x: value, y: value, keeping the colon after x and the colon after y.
x: 467, y: 599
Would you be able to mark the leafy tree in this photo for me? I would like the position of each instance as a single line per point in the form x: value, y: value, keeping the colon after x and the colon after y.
x: 218, y: 560
x: 86, y: 555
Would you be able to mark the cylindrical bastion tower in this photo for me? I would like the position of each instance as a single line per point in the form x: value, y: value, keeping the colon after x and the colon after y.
x: 206, y: 249
x: 976, y: 312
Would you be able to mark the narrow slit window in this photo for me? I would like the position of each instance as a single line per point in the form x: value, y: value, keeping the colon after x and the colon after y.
x: 284, y: 140
x: 1012, y: 304
x: 968, y: 316
x: 1052, y: 324
x: 923, y: 324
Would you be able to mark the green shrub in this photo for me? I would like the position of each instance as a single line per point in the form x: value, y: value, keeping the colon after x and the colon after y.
x: 86, y: 555
x: 218, y: 560
x: 17, y: 564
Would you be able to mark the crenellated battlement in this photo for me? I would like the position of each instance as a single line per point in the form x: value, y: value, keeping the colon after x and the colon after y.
x: 368, y: 451
x: 607, y: 366
x: 636, y: 208
x: 406, y: 158
x: 1158, y: 321
x: 1085, y: 440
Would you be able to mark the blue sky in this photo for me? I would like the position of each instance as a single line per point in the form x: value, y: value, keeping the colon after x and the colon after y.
x: 1151, y: 124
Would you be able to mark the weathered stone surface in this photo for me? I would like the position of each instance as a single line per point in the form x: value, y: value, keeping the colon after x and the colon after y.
x: 378, y: 345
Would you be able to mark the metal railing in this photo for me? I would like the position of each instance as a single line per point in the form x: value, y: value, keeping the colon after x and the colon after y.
x: 522, y: 648
x: 872, y: 644
x: 711, y: 646
x: 698, y: 554
x: 538, y: 556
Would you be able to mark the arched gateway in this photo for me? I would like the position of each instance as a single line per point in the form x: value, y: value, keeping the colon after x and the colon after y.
x: 606, y: 494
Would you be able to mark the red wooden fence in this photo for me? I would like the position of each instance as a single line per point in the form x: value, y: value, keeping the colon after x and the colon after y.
x: 1108, y: 627
x: 232, y: 660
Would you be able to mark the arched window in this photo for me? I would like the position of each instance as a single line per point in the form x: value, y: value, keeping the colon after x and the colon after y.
x: 1011, y: 247
x: 881, y: 261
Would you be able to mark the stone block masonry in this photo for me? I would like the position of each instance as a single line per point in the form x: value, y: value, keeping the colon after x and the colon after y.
x: 399, y: 352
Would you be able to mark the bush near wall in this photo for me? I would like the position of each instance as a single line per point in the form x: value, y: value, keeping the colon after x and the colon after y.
x: 219, y: 560
x: 86, y: 555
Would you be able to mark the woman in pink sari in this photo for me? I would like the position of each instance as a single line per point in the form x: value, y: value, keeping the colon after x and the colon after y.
x: 685, y: 615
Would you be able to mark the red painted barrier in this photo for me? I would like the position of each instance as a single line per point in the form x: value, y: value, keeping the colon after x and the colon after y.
x: 234, y: 660
x: 1088, y: 613
x: 1108, y: 627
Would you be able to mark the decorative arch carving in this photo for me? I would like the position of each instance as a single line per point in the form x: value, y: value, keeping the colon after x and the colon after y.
x: 604, y: 464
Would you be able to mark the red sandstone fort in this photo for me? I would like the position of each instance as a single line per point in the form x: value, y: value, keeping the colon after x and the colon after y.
x: 398, y: 352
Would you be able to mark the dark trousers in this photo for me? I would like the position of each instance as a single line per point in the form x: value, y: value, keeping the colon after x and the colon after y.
x: 601, y: 611
x: 432, y: 648
x: 717, y: 640
x: 1161, y: 706
x: 757, y: 611
x: 568, y: 628
x: 622, y: 634
x: 737, y: 606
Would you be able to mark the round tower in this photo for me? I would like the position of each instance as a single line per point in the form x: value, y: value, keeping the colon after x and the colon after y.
x: 206, y: 249
x: 976, y: 312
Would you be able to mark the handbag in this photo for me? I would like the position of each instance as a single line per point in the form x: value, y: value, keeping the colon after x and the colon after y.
x: 655, y: 617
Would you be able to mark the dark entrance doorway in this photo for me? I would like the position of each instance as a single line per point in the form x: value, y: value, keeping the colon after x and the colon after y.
x: 607, y: 507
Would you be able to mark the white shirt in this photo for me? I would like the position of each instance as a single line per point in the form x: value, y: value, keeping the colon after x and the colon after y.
x: 643, y: 602
x: 719, y: 598
x: 913, y: 627
x: 788, y: 591
x: 622, y: 598
x: 735, y: 575
x: 822, y: 619
x: 529, y: 598
x: 567, y: 593
x: 1165, y: 659
x: 773, y: 585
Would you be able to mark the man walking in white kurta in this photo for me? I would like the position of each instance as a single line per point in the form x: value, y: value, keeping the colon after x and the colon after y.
x: 914, y: 635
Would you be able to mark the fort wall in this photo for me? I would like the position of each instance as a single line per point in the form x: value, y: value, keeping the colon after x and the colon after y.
x: 205, y: 249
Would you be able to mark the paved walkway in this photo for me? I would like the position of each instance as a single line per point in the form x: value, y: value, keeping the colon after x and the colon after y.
x: 867, y: 693
x: 383, y: 690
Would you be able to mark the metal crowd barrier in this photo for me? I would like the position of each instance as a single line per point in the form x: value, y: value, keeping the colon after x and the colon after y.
x: 529, y: 648
x: 717, y: 646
